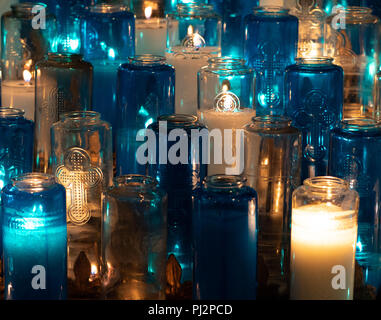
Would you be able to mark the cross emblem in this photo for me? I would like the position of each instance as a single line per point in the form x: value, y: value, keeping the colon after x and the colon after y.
x: 78, y: 176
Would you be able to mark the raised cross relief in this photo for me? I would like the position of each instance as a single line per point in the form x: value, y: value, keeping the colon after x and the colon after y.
x: 78, y: 176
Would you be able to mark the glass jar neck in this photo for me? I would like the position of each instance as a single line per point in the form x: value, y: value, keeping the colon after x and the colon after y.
x: 136, y: 182
x: 194, y: 9
x: 271, y: 11
x: 178, y: 120
x: 25, y: 9
x: 271, y: 122
x: 226, y: 64
x: 355, y: 11
x: 33, y: 182
x: 13, y: 113
x: 148, y: 60
x: 64, y: 57
x: 223, y: 183
x: 360, y: 124
x: 108, y: 8
x: 81, y: 116
x: 314, y: 61
x: 327, y: 185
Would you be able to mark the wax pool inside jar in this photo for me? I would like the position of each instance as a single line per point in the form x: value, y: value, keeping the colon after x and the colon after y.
x: 322, y: 237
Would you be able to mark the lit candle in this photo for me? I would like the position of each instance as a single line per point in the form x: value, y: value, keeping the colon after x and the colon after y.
x: 151, y: 34
x: 19, y: 94
x: 322, y: 249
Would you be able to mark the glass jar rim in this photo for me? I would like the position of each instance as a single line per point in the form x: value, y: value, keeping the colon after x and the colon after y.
x: 26, y: 6
x: 271, y: 10
x: 364, y: 124
x: 354, y: 10
x: 33, y: 182
x: 314, y: 60
x: 135, y: 181
x: 147, y: 60
x: 326, y: 184
x: 179, y: 119
x: 7, y: 112
x: 59, y: 56
x: 271, y: 121
x: 224, y: 182
x: 80, y: 115
x: 226, y: 63
x: 194, y: 9
x: 107, y: 8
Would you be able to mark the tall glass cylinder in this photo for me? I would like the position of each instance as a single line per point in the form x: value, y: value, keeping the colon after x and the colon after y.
x: 194, y: 36
x: 16, y: 144
x: 63, y: 84
x: 134, y: 239
x: 225, y: 105
x: 323, y: 240
x: 34, y: 238
x: 272, y: 167
x: 354, y: 156
x: 233, y: 13
x: 146, y: 90
x: 225, y: 240
x: 179, y: 172
x: 314, y: 101
x: 82, y: 163
x: 108, y: 39
x: 151, y: 27
x: 271, y: 40
x: 352, y: 39
x: 25, y: 39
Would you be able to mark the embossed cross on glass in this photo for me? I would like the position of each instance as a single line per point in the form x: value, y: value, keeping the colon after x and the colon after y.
x: 82, y: 162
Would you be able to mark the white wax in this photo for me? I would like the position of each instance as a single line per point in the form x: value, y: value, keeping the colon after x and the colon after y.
x: 187, y: 65
x: 226, y: 120
x: 320, y: 240
x: 151, y: 36
x: 19, y: 94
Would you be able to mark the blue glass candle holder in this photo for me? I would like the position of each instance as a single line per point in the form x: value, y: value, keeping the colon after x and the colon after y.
x: 34, y: 238
x: 225, y: 239
x: 16, y: 144
x: 271, y: 40
x: 179, y: 180
x: 146, y: 90
x: 233, y: 13
x: 314, y: 101
x: 108, y: 39
x: 355, y: 156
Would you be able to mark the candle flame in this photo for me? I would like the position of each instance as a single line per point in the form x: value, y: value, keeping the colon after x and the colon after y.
x: 148, y: 12
x: 94, y: 269
x: 27, y: 75
x: 190, y: 30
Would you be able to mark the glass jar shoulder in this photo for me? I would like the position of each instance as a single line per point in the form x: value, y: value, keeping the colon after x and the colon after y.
x: 314, y: 69
x: 360, y: 134
x: 234, y: 197
x: 16, y: 123
x: 82, y: 125
x: 271, y: 132
x: 107, y: 17
x: 147, y: 69
x: 266, y: 18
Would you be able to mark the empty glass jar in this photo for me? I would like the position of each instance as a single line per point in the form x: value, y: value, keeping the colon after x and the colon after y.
x: 82, y: 163
x: 134, y: 239
x: 63, y: 84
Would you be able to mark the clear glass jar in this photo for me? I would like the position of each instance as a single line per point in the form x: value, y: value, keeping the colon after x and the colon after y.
x: 355, y: 156
x: 323, y: 240
x: 82, y: 163
x: 271, y: 40
x: 108, y: 40
x: 22, y: 46
x: 314, y: 102
x: 355, y: 48
x: 194, y: 36
x: 225, y: 102
x: 134, y: 239
x: 16, y: 144
x: 34, y: 238
x: 63, y: 84
x: 225, y: 240
x: 179, y: 177
x: 272, y: 168
x: 146, y: 90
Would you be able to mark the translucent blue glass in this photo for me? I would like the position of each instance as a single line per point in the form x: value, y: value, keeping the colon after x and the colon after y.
x: 179, y: 180
x: 16, y: 144
x: 271, y: 40
x: 146, y: 90
x: 375, y: 5
x: 233, y: 13
x: 134, y: 234
x: 355, y: 155
x: 171, y: 5
x: 34, y: 238
x: 314, y: 101
x: 225, y: 240
x: 108, y: 39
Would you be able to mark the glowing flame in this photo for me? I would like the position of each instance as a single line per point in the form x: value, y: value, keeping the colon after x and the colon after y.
x: 148, y: 12
x: 190, y: 30
x: 225, y: 88
x: 94, y: 269
x: 27, y: 76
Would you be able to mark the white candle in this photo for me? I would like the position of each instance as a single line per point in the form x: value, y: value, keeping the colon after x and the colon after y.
x: 151, y: 36
x: 187, y: 64
x: 222, y: 120
x: 19, y: 94
x: 322, y: 238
